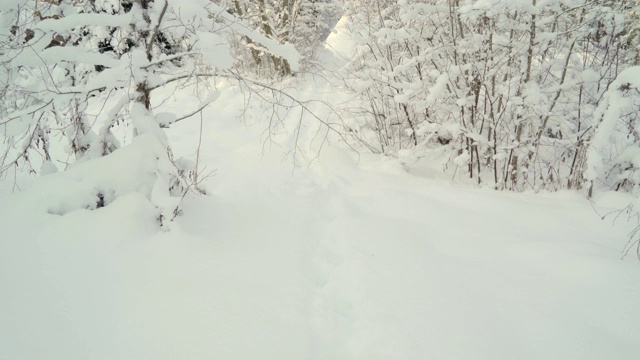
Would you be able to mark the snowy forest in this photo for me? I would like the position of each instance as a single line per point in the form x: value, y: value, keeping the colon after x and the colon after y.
x: 319, y: 179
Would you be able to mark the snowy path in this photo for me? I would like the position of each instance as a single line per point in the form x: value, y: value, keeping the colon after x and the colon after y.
x: 341, y: 260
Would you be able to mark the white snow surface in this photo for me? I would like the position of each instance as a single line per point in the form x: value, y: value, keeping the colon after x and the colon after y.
x: 339, y: 260
x: 350, y: 257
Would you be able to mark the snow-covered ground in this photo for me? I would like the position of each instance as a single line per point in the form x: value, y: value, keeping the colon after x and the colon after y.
x: 351, y: 257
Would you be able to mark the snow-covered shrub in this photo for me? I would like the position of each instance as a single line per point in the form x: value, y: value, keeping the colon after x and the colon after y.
x: 613, y: 155
x: 507, y: 90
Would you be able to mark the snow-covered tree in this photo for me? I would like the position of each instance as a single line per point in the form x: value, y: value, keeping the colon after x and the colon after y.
x: 64, y: 57
x: 303, y: 23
